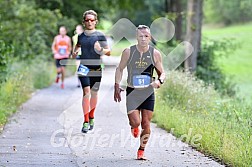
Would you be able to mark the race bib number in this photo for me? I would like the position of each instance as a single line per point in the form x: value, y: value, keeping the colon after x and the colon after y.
x: 62, y: 51
x: 82, y: 70
x: 141, y: 81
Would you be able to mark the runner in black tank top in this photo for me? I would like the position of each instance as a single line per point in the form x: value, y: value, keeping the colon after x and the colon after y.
x: 93, y: 44
x: 140, y: 60
x: 140, y: 72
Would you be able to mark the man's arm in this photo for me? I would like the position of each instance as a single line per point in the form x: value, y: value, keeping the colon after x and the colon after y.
x: 70, y: 45
x: 76, y: 50
x: 119, y: 74
x: 159, y: 69
x: 53, y: 46
x: 102, y: 50
x: 122, y: 65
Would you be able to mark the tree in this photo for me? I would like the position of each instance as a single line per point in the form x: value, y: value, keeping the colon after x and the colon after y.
x: 193, y: 31
x: 228, y: 12
x: 174, y: 7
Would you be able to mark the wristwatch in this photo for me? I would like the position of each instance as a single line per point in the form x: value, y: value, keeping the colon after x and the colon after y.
x: 161, y: 80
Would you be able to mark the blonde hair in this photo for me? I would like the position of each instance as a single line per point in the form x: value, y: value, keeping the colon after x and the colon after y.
x: 91, y: 12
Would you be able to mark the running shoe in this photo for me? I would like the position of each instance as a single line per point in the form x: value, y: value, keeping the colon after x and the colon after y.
x: 135, y: 132
x: 140, y: 155
x: 85, y: 127
x: 62, y: 86
x: 57, y: 79
x: 91, y: 122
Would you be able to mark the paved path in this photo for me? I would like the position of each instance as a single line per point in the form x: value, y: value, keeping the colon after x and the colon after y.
x: 46, y: 132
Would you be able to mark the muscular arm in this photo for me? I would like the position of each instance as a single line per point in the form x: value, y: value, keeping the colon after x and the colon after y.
x: 122, y: 65
x: 119, y: 73
x: 159, y: 65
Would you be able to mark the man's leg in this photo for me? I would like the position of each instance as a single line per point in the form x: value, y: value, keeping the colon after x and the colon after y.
x: 86, y: 103
x: 58, y: 70
x: 85, y: 108
x: 145, y: 124
x: 93, y: 103
x: 95, y: 86
x: 144, y: 137
x: 134, y: 121
x: 62, y: 76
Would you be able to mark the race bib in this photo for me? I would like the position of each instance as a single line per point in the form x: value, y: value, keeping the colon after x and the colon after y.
x: 82, y: 70
x: 62, y: 51
x: 141, y: 81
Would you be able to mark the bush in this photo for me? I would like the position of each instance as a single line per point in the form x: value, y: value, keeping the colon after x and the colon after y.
x: 14, y: 91
x: 227, y: 12
x: 207, y: 67
x: 43, y: 73
x: 30, y: 29
x: 21, y: 80
x: 223, y: 126
x: 6, y: 53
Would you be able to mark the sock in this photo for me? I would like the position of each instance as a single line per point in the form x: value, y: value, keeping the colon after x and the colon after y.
x: 141, y: 149
x: 93, y: 102
x: 85, y: 107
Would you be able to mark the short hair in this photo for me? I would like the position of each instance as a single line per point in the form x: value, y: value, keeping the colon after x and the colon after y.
x: 142, y: 27
x: 91, y: 12
x: 63, y: 27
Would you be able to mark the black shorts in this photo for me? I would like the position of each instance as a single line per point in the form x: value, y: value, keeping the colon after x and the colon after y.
x: 91, y: 80
x: 138, y: 99
x: 60, y: 64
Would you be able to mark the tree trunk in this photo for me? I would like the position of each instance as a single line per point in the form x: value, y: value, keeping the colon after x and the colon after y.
x: 193, y: 31
x: 178, y: 20
x: 174, y: 6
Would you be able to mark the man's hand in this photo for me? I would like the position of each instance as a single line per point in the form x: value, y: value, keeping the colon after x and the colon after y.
x: 117, y: 93
x: 156, y: 84
x: 74, y: 54
x: 97, y: 47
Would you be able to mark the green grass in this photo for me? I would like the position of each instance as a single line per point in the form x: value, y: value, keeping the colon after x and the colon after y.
x: 239, y: 63
x: 222, y: 127
x: 14, y: 91
x: 21, y: 81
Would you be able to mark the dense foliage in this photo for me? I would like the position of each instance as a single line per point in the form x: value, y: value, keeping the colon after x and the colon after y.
x: 208, y: 69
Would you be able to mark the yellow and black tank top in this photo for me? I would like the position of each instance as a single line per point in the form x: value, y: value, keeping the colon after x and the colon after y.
x: 140, y: 68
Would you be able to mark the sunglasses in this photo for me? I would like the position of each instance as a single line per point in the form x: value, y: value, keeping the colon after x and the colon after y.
x: 91, y: 20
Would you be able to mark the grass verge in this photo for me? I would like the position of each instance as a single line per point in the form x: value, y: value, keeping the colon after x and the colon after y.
x: 218, y: 128
x: 22, y: 80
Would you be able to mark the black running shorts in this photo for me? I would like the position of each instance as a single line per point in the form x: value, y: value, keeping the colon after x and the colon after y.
x: 138, y: 99
x: 59, y: 64
x: 91, y: 80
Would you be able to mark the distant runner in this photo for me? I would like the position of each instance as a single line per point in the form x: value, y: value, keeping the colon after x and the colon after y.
x: 61, y: 48
x: 78, y: 30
